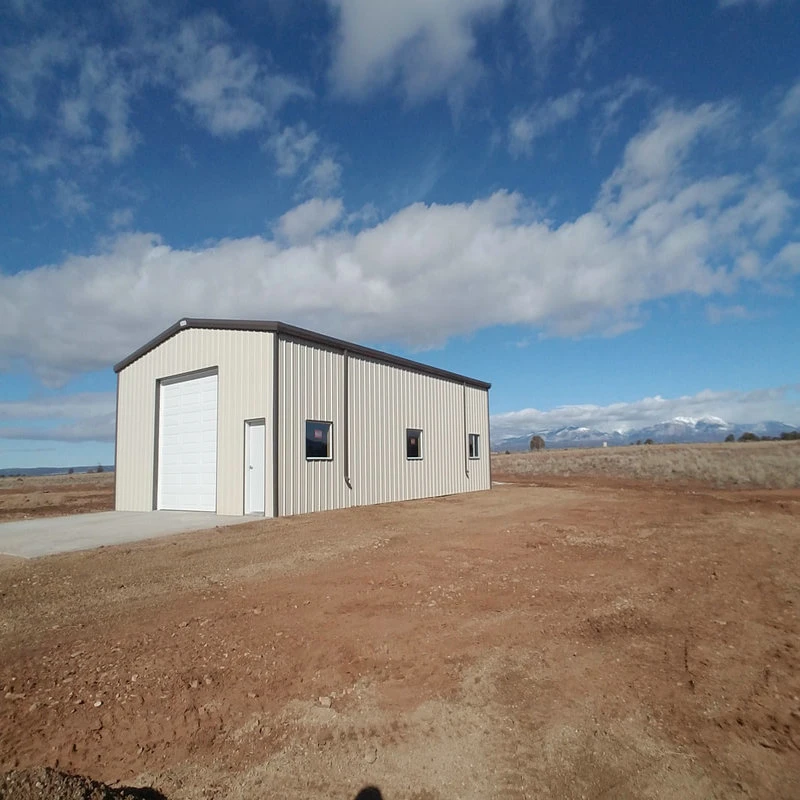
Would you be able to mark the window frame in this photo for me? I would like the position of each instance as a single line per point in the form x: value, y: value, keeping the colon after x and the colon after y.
x: 329, y: 442
x: 476, y: 437
x: 419, y: 432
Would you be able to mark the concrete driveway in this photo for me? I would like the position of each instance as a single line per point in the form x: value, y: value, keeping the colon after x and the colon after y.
x: 41, y: 537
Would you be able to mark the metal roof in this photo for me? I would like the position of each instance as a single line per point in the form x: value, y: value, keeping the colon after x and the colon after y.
x: 292, y: 332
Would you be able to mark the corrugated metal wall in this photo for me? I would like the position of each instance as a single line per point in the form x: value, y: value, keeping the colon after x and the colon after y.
x: 244, y: 361
x: 311, y: 387
x: 384, y: 400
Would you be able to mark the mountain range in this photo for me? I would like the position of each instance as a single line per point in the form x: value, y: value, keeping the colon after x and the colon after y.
x: 676, y: 430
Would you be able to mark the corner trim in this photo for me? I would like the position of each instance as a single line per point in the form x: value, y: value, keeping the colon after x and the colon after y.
x: 116, y: 444
x: 276, y: 354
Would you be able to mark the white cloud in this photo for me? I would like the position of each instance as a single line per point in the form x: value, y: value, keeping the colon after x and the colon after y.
x: 425, y: 46
x: 324, y: 177
x: 26, y: 67
x: 121, y: 218
x: 100, y: 429
x: 297, y: 149
x: 780, y: 403
x: 227, y: 86
x: 73, y: 93
x: 547, y: 20
x: 292, y: 148
x: 657, y: 230
x: 86, y: 416
x: 102, y: 90
x: 70, y: 201
x: 83, y: 405
x: 428, y: 48
x: 612, y: 102
x: 304, y: 222
x: 717, y: 314
x: 527, y: 127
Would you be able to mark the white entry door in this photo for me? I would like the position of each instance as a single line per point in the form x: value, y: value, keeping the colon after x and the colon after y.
x: 187, y: 444
x: 255, y: 457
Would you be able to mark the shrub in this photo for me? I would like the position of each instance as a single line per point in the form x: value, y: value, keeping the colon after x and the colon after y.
x: 649, y: 441
x: 749, y: 437
x: 537, y: 443
x: 730, y: 438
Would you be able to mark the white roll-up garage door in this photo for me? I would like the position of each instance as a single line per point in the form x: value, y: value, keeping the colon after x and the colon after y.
x: 187, y: 444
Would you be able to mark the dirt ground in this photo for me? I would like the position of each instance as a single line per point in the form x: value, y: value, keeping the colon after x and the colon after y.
x: 52, y: 496
x: 584, y: 639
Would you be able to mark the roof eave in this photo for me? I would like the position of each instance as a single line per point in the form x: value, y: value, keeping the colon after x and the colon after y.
x: 303, y: 334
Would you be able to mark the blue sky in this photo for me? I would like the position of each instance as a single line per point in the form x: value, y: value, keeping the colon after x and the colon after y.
x: 592, y: 205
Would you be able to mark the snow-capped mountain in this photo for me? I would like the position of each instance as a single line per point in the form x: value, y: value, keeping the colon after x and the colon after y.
x: 678, y: 429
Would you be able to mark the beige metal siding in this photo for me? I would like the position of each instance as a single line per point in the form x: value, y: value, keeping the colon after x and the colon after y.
x: 384, y: 400
x: 311, y: 387
x: 244, y: 362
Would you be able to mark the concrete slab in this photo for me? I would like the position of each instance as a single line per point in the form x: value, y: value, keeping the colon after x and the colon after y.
x: 30, y: 538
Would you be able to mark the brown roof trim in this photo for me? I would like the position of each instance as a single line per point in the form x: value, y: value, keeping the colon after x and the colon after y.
x: 292, y: 332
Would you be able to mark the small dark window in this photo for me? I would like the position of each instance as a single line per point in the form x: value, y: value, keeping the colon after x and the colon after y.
x: 474, y: 446
x: 318, y: 440
x: 413, y: 443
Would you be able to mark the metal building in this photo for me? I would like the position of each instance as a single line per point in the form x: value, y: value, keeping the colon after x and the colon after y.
x: 251, y: 417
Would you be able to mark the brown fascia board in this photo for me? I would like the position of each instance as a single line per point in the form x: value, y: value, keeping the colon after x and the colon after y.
x: 292, y: 332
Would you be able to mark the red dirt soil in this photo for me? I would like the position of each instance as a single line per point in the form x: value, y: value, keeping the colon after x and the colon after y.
x: 592, y: 640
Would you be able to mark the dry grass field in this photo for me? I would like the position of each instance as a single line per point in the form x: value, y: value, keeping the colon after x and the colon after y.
x: 771, y: 465
x: 52, y: 496
x: 578, y: 637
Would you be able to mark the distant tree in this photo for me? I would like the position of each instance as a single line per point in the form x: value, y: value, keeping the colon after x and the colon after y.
x: 649, y: 441
x: 99, y: 469
x: 70, y: 471
x: 790, y: 436
x: 749, y: 437
x: 638, y: 441
x: 508, y: 452
x: 537, y: 443
x: 730, y: 438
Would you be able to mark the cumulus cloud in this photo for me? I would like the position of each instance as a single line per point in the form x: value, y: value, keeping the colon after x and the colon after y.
x: 657, y: 230
x: 780, y: 403
x: 428, y: 48
x: 304, y: 222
